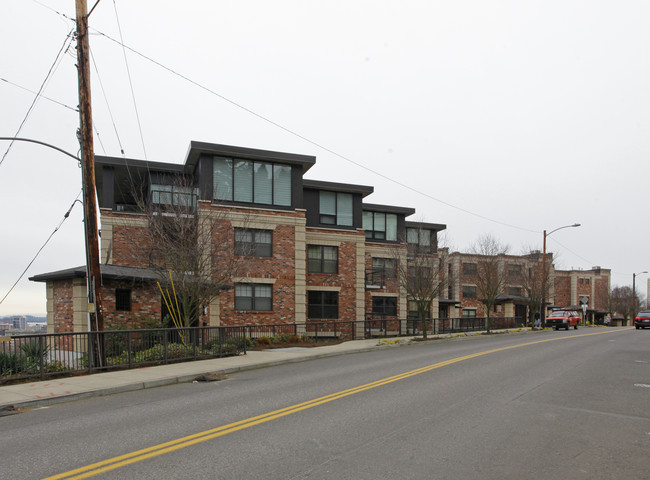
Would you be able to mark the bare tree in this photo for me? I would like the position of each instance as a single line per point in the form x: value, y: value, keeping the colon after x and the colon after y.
x: 491, y: 276
x: 534, y: 280
x: 191, y: 247
x: 622, y: 300
x: 422, y: 272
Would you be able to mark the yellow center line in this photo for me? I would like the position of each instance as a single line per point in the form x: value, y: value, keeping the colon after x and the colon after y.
x: 187, y: 441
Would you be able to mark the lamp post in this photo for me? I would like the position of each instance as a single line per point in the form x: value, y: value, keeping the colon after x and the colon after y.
x: 634, y: 291
x: 541, y: 303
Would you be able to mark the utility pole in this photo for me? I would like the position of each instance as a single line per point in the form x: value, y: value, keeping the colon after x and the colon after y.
x: 93, y: 273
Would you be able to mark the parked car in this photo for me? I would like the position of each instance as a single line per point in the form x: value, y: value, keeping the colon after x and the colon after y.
x: 563, y: 319
x: 642, y: 319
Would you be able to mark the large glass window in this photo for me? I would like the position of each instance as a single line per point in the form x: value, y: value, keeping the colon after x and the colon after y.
x: 322, y: 259
x: 252, y: 182
x: 282, y: 184
x: 253, y: 296
x: 322, y: 305
x: 384, y: 306
x: 178, y: 196
x: 222, y: 180
x: 253, y: 243
x: 380, y: 226
x: 418, y: 236
x: 335, y: 208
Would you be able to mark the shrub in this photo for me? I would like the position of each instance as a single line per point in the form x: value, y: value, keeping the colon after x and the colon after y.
x: 264, y: 341
x: 10, y: 364
x: 34, y: 351
x: 294, y: 339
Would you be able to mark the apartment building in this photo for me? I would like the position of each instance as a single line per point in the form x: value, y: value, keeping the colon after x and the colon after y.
x: 308, y: 250
x: 520, y: 277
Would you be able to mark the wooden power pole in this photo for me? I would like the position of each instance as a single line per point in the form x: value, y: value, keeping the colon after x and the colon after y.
x: 93, y: 273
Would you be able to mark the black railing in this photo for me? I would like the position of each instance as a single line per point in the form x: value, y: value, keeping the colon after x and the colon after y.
x: 294, y: 332
x: 46, y: 355
x: 43, y: 355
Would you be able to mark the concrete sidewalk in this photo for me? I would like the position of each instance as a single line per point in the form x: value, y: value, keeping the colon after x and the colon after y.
x: 58, y: 390
x: 71, y: 388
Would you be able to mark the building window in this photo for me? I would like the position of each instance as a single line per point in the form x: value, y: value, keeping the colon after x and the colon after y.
x: 252, y: 182
x: 174, y: 195
x: 469, y: 312
x: 335, y: 208
x: 417, y: 236
x: 384, y: 306
x: 469, y: 269
x: 383, y: 268
x: 514, y: 270
x: 413, y: 310
x: 322, y: 305
x: 516, y: 291
x: 380, y: 226
x: 322, y: 259
x: 123, y: 299
x: 254, y: 243
x: 469, y: 291
x: 253, y: 296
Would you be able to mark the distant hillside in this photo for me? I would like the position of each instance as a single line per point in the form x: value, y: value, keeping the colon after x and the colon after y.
x: 30, y: 318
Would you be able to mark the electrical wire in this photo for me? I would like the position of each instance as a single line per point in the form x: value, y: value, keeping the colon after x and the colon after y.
x: 53, y: 67
x: 311, y: 142
x: 74, y: 109
x: 65, y: 217
x: 128, y: 72
x: 291, y: 132
x: 108, y: 106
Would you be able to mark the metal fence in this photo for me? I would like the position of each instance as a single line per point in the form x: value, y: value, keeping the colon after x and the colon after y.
x: 313, y: 331
x: 44, y: 355
x: 435, y: 326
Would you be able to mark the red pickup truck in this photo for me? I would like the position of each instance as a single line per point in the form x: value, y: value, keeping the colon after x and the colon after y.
x: 562, y: 319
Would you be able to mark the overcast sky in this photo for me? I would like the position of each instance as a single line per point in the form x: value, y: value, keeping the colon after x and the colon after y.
x: 498, y: 117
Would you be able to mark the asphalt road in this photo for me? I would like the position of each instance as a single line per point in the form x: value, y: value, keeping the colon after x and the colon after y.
x: 551, y: 405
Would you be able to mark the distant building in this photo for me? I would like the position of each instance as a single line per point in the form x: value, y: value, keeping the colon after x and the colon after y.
x: 19, y: 322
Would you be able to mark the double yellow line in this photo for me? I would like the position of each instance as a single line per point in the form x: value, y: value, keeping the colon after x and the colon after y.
x: 184, y: 442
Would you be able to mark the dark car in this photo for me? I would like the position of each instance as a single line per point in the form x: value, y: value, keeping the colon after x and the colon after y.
x: 642, y: 319
x: 563, y: 319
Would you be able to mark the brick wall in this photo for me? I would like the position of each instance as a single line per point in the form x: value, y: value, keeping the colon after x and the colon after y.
x: 145, y: 306
x: 562, y: 287
x: 63, y: 311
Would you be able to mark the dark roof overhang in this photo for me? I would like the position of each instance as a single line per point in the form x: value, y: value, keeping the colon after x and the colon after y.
x: 196, y: 149
x: 372, y: 207
x: 364, y: 190
x: 426, y: 226
x: 446, y: 301
x: 108, y: 272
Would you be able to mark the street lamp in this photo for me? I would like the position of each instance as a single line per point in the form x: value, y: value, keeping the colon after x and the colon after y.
x: 634, y: 291
x: 541, y: 303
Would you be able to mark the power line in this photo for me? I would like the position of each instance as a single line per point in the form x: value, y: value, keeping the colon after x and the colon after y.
x: 65, y: 217
x: 128, y: 71
x: 312, y: 142
x: 63, y: 49
x: 108, y: 106
x: 288, y: 130
x: 74, y: 109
